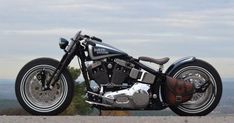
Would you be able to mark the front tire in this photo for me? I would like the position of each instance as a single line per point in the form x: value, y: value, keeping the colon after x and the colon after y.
x: 33, y: 99
x: 201, y: 104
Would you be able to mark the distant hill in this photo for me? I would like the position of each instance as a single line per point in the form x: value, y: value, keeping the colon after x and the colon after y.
x: 2, y: 81
x: 6, y: 104
x: 7, y: 90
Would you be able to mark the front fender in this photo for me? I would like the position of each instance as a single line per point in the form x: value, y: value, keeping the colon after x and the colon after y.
x: 178, y: 63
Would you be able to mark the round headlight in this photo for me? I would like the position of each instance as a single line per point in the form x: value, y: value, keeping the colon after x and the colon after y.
x: 63, y: 43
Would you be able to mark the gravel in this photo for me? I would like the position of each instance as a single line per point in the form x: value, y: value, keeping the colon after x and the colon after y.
x: 111, y: 119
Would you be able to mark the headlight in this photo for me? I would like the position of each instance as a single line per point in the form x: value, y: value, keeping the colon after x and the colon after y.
x: 63, y: 43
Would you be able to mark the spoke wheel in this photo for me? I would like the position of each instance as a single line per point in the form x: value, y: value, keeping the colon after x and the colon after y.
x: 198, y: 73
x: 33, y: 98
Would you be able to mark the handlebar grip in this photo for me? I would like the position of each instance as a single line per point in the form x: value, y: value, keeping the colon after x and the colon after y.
x: 96, y: 39
x: 86, y: 36
x: 83, y: 37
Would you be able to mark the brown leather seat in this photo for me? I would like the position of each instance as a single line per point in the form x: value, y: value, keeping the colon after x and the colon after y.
x: 156, y: 61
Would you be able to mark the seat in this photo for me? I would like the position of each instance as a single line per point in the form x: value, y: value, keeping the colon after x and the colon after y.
x: 156, y: 61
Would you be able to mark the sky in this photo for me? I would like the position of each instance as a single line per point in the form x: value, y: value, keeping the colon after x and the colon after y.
x: 174, y: 28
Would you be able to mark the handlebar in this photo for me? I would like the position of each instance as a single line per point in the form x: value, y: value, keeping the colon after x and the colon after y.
x: 96, y: 39
x: 79, y: 37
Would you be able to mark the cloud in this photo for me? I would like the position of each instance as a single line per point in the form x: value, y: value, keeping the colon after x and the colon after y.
x: 223, y: 66
x: 53, y: 31
x: 165, y: 28
x: 85, y: 6
x: 126, y: 37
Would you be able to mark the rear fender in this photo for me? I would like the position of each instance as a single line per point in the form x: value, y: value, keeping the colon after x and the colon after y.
x: 179, y: 63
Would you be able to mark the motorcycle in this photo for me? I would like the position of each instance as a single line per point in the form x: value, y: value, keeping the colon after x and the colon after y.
x: 189, y: 87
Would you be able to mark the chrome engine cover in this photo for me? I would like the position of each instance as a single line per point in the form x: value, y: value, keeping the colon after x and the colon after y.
x: 136, y: 97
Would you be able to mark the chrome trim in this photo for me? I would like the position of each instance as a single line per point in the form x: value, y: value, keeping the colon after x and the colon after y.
x: 90, y: 47
x: 200, y: 101
x: 185, y: 59
x: 99, y: 95
x: 179, y: 62
x: 138, y: 97
x: 35, y: 103
x: 95, y: 103
x: 124, y: 63
x: 102, y: 45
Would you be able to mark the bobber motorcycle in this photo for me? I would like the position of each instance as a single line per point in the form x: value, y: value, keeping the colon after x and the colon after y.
x: 189, y: 87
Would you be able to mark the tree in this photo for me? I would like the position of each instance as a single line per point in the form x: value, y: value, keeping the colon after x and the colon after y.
x: 74, y: 72
x: 78, y: 104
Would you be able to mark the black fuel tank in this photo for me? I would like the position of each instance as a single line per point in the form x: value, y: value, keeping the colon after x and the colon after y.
x: 99, y: 50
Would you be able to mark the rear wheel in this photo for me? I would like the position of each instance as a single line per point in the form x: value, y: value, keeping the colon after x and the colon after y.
x: 198, y: 72
x: 29, y: 89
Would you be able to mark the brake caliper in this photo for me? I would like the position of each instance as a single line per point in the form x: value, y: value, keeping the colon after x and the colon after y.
x: 41, y: 76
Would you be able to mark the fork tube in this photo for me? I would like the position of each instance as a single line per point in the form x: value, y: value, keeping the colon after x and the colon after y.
x: 63, y: 66
x: 83, y: 68
x: 65, y: 61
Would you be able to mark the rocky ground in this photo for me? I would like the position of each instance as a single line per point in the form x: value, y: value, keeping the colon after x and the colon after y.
x: 111, y: 119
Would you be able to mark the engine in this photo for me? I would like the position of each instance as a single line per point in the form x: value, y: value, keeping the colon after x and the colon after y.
x: 113, y: 76
x: 135, y: 97
x: 111, y: 73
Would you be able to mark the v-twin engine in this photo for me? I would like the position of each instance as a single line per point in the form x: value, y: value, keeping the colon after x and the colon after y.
x: 135, y: 97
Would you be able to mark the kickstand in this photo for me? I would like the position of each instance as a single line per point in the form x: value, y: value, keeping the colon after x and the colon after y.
x: 100, y: 112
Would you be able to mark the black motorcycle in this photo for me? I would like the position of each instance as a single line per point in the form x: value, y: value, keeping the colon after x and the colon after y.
x: 116, y: 81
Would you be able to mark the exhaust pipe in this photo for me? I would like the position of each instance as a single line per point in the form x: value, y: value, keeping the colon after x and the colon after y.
x: 95, y: 103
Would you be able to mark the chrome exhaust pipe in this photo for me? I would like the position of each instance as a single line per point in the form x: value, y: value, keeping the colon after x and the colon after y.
x: 95, y: 103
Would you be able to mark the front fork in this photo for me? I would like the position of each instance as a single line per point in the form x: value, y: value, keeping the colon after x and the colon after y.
x: 64, y: 62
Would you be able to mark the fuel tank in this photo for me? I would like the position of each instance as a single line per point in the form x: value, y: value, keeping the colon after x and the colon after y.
x: 98, y: 50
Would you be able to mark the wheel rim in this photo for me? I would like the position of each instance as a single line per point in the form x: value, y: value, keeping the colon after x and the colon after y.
x: 200, y: 101
x: 35, y: 98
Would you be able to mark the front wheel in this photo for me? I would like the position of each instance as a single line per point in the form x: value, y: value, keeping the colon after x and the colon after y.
x: 29, y: 89
x: 199, y: 72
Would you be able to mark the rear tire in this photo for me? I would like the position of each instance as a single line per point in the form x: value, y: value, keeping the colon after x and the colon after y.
x: 33, y: 99
x: 201, y: 103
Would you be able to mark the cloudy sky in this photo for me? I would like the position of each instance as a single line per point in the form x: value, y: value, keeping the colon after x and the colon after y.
x: 173, y: 28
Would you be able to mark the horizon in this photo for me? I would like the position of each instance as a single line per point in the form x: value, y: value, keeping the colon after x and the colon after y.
x: 12, y: 81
